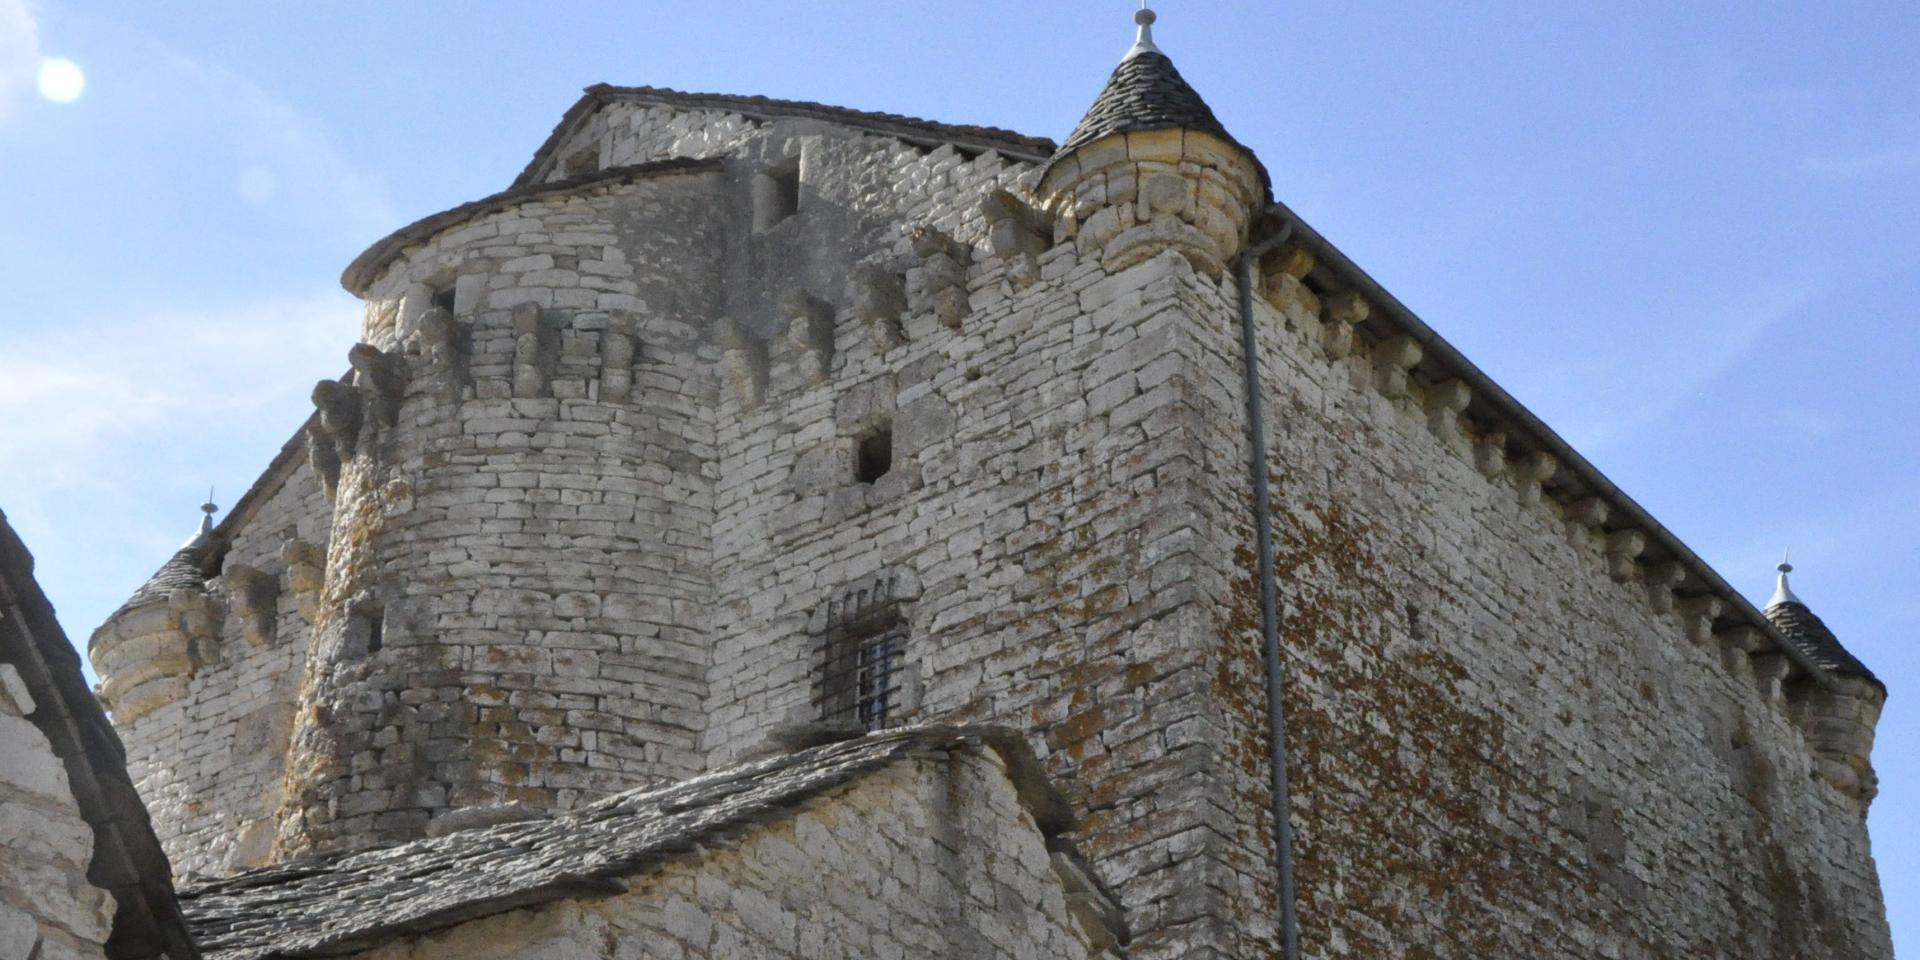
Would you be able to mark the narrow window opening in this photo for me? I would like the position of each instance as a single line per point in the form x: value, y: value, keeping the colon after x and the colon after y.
x: 442, y: 299
x: 776, y: 196
x: 873, y: 455
x: 376, y: 634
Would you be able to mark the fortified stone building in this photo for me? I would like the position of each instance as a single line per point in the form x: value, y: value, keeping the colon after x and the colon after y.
x: 773, y: 529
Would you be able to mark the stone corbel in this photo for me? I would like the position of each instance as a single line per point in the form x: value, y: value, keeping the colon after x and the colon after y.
x: 1661, y: 578
x: 1393, y: 360
x: 306, y: 574
x: 382, y: 377
x: 1017, y: 234
x: 1623, y: 548
x: 878, y: 299
x: 810, y: 330
x: 1770, y: 672
x: 255, y: 596
x: 1532, y: 472
x: 1344, y: 311
x: 1585, y: 517
x: 341, y: 414
x: 1490, y: 454
x: 1698, y: 614
x: 616, y: 357
x: 532, y: 358
x: 1445, y: 403
x: 324, y: 457
x: 446, y: 342
x: 1739, y: 644
x: 942, y: 276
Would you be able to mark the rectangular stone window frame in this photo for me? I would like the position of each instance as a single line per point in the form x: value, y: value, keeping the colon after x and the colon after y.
x: 873, y: 453
x: 859, y: 676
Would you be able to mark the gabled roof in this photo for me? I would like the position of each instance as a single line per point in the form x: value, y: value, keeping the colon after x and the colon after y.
x: 127, y: 859
x: 323, y: 906
x: 1145, y: 92
x: 924, y: 133
x: 1806, y: 631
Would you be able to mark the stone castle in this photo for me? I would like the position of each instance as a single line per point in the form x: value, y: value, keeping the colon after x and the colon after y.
x: 772, y: 529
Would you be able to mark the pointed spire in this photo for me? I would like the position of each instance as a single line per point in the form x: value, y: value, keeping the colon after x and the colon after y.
x: 1143, y: 38
x: 1781, y: 592
x: 207, y: 510
x: 1145, y: 93
x: 1802, y: 628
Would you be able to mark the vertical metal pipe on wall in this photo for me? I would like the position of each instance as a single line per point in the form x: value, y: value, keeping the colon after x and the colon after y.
x: 1269, y: 596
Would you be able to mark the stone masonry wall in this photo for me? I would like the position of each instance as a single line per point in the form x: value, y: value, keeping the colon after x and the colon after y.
x: 210, y: 766
x: 46, y: 901
x: 929, y: 859
x: 1499, y: 749
x: 517, y: 580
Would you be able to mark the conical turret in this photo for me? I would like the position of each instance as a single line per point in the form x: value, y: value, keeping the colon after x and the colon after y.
x: 148, y: 649
x: 1150, y: 168
x: 1840, y: 720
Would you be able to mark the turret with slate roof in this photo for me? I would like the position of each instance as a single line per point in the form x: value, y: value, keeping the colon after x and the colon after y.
x: 1150, y: 168
x: 147, y: 650
x: 1839, y: 719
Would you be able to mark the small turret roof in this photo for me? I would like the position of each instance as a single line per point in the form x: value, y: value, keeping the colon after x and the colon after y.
x: 186, y: 569
x: 1808, y: 632
x: 1146, y: 92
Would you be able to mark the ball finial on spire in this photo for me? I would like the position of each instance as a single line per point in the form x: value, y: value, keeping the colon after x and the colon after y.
x: 1781, y: 592
x: 1143, y: 41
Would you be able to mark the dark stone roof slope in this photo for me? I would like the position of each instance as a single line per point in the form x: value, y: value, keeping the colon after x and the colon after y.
x: 925, y: 133
x: 1145, y: 93
x: 1806, y: 631
x: 127, y: 859
x: 185, y: 570
x: 325, y: 906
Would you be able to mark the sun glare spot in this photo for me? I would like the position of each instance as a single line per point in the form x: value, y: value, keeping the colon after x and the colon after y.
x: 61, y: 80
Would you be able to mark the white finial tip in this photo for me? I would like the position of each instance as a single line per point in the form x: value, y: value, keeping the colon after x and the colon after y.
x: 1781, y: 592
x: 1143, y: 43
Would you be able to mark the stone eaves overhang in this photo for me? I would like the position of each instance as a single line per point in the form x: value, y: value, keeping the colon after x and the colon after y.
x: 927, y: 134
x: 368, y: 266
x: 1493, y: 407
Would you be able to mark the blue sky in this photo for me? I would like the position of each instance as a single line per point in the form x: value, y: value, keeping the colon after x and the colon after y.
x: 1685, y: 235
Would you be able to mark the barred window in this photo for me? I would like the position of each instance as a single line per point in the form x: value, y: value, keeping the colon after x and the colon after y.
x: 859, y: 668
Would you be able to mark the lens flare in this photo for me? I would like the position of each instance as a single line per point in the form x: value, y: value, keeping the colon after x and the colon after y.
x: 61, y: 80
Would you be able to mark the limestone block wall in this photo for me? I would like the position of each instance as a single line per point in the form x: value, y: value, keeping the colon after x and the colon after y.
x: 210, y: 764
x: 48, y: 909
x: 1048, y: 526
x: 514, y: 596
x: 926, y: 859
x: 1505, y: 741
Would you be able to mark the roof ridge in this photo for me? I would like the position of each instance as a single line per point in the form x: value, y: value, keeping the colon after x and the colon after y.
x: 916, y: 130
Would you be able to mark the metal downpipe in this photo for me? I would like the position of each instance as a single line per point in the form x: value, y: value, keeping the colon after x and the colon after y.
x: 1269, y: 596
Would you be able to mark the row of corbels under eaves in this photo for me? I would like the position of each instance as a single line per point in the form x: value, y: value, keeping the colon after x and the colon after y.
x: 1396, y: 364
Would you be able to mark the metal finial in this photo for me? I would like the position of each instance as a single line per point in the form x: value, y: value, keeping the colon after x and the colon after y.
x: 1143, y: 41
x: 1781, y: 592
x: 207, y: 510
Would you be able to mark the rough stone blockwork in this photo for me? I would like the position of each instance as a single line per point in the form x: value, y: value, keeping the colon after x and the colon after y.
x: 634, y: 454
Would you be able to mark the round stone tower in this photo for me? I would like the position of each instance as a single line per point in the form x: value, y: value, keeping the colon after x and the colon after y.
x: 520, y: 468
x: 1149, y: 168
